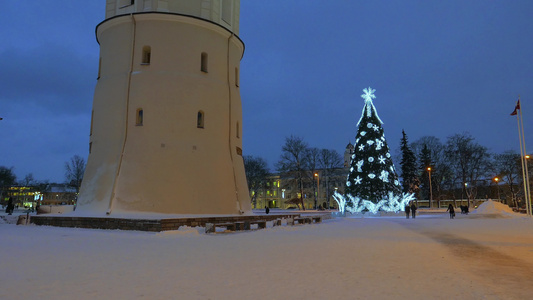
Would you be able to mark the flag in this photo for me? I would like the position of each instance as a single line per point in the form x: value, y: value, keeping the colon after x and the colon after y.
x: 517, y: 107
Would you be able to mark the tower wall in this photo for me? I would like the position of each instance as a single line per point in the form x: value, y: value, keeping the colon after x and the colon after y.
x: 166, y: 164
x: 222, y: 12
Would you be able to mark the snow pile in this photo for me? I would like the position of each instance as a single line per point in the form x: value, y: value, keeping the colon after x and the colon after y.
x: 9, y: 219
x: 492, y: 207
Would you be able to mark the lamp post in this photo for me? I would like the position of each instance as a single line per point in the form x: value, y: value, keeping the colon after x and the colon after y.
x: 430, y: 189
x: 467, y: 196
x: 318, y: 188
x: 497, y: 180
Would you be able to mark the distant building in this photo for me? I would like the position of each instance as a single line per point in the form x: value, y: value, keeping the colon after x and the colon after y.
x: 281, y: 188
x: 58, y: 194
x: 23, y: 196
x: 348, y: 152
x: 46, y: 194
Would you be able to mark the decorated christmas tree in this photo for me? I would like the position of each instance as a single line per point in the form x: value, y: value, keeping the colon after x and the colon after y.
x: 372, y: 183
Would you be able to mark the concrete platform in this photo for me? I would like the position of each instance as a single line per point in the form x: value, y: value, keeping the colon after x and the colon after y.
x: 161, y: 224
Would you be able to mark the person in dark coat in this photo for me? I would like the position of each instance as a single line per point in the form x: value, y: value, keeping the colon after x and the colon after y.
x: 413, y: 210
x: 451, y: 210
x: 267, y: 210
x: 10, y: 206
x: 407, y: 210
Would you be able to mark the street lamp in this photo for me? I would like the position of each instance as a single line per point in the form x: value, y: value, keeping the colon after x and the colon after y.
x: 317, y: 187
x: 497, y: 180
x: 467, y: 196
x: 430, y: 189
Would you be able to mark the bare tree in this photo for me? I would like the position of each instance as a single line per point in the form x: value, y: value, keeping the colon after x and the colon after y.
x: 28, y: 180
x: 507, y: 166
x: 329, y: 161
x: 470, y: 161
x: 74, y: 170
x: 292, y: 162
x: 7, y: 178
x: 256, y: 171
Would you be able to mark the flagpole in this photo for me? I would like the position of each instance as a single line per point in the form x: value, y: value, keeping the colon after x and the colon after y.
x: 527, y: 188
x: 522, y: 161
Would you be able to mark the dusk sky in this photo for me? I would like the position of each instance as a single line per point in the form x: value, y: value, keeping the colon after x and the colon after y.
x: 438, y: 67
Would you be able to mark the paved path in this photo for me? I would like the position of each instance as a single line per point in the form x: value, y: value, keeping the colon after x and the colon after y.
x: 506, y: 274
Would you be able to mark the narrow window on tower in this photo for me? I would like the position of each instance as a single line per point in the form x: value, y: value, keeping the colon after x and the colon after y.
x: 200, y: 119
x: 238, y: 130
x: 147, y: 53
x: 203, y: 66
x: 99, y: 67
x: 237, y: 77
x: 92, y: 118
x: 139, y: 117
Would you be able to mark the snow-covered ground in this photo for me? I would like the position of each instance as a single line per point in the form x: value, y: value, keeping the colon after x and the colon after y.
x: 485, y: 255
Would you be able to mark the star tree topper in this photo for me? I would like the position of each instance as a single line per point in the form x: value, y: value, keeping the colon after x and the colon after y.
x: 369, y: 105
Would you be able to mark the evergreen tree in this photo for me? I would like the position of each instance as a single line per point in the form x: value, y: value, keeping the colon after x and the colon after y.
x: 372, y: 174
x: 410, y: 182
x: 425, y: 162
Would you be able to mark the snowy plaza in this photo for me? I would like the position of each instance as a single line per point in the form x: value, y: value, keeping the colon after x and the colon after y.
x: 485, y: 255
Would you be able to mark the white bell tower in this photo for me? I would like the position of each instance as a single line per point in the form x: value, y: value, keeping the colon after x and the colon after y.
x: 166, y: 129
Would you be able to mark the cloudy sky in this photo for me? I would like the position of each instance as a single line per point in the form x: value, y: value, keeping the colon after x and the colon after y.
x: 438, y: 67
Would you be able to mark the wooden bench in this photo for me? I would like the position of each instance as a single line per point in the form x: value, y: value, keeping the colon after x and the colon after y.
x: 317, y: 219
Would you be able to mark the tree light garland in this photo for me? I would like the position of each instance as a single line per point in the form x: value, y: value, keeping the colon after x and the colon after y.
x: 355, y: 205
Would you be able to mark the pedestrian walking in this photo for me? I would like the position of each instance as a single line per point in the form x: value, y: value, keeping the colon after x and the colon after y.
x: 407, y: 211
x: 10, y: 206
x: 413, y: 210
x: 267, y: 210
x: 451, y: 210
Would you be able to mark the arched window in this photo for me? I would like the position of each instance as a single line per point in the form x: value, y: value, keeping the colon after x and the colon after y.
x: 139, y: 118
x: 203, y: 66
x: 200, y: 119
x: 147, y: 53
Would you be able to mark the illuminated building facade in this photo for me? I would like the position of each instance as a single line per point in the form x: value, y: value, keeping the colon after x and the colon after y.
x: 279, y: 189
